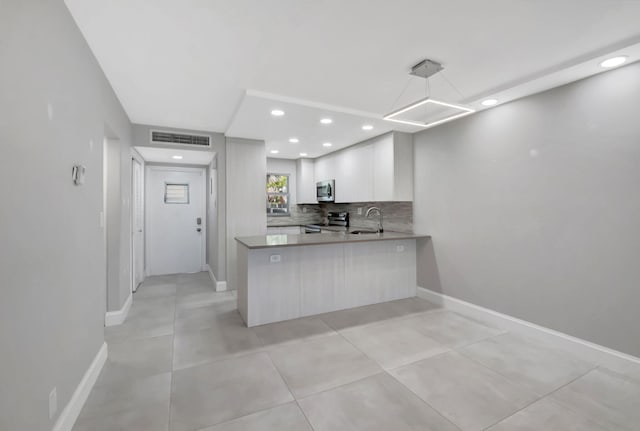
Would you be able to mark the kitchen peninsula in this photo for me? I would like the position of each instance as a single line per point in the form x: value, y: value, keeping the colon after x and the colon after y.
x: 282, y: 277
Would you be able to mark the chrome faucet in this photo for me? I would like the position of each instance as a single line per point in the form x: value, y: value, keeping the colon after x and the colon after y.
x: 372, y: 209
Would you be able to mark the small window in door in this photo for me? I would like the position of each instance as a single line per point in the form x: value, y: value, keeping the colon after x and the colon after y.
x: 176, y: 193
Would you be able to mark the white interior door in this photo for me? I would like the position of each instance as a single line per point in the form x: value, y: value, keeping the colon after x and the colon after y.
x: 137, y: 224
x: 175, y: 220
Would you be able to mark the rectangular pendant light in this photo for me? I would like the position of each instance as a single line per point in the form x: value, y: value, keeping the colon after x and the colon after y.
x: 463, y: 112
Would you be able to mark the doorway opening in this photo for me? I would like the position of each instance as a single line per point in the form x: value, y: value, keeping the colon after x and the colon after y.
x: 175, y: 219
x: 137, y: 222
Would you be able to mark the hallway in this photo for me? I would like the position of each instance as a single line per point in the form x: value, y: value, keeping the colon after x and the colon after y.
x: 184, y: 360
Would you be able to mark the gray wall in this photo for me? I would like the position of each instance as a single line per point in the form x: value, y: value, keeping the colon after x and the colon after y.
x: 216, y: 237
x: 216, y: 204
x: 113, y: 210
x: 246, y: 196
x: 534, y: 208
x: 52, y: 251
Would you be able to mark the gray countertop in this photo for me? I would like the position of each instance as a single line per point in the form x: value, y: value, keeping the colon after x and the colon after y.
x: 267, y: 241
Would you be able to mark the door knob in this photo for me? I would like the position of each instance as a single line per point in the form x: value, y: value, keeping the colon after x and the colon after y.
x: 199, y: 230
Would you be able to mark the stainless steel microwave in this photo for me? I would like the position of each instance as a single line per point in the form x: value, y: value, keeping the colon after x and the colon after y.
x: 326, y: 191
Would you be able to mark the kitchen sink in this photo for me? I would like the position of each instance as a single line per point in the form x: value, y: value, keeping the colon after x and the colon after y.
x: 363, y: 232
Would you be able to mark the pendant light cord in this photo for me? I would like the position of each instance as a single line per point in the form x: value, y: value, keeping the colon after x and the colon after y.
x: 406, y: 85
x: 452, y: 86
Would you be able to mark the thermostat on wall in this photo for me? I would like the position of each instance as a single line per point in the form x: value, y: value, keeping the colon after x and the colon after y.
x: 77, y: 174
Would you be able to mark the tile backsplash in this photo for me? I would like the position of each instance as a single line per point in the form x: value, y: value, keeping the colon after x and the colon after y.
x: 300, y: 215
x: 398, y: 216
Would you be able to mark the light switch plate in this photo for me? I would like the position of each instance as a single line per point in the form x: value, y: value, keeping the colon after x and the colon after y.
x: 275, y: 258
x: 400, y: 248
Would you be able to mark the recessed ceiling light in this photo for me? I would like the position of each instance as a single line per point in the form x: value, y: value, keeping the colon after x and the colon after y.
x: 367, y: 127
x: 327, y: 144
x: 277, y: 113
x: 613, y: 62
x: 326, y: 121
x: 177, y: 157
x: 489, y: 102
x: 294, y: 140
x: 274, y: 151
x: 303, y: 154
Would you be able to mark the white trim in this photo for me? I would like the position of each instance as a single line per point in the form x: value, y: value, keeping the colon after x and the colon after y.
x: 135, y: 155
x: 71, y: 411
x: 220, y: 286
x: 585, y: 349
x: 113, y: 318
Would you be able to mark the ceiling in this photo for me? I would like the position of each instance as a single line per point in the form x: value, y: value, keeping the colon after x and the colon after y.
x: 223, y: 65
x: 253, y: 120
x: 166, y: 155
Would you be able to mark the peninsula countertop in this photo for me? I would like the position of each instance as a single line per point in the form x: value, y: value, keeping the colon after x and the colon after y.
x: 294, y: 240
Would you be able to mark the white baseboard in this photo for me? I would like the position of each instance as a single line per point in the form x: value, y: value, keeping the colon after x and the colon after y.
x: 113, y: 318
x: 586, y: 350
x: 71, y: 411
x: 220, y: 286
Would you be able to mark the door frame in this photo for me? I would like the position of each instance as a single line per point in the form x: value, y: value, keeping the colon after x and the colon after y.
x: 132, y: 279
x: 205, y: 228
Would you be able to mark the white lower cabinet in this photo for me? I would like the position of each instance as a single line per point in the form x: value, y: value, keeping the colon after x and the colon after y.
x: 284, y: 283
x: 322, y: 284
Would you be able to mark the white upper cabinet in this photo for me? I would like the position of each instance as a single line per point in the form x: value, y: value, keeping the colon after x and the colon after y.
x: 393, y: 166
x: 306, y: 185
x: 380, y: 169
x: 354, y: 174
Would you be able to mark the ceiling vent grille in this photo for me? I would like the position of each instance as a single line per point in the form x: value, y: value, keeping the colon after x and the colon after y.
x: 159, y: 137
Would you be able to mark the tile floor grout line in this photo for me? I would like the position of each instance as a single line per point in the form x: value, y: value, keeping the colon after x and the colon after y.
x: 450, y: 349
x: 224, y: 358
x: 339, y: 386
x: 382, y: 371
x: 379, y: 322
x: 295, y: 399
x: 275, y: 406
x: 510, y: 379
x: 305, y: 416
x: 173, y: 341
x: 543, y: 397
x: 424, y: 401
x: 602, y: 425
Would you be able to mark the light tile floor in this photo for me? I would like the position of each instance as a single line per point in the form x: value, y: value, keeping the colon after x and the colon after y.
x: 184, y: 361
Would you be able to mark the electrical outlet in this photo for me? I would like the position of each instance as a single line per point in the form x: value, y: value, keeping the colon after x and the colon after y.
x: 53, y: 403
x: 275, y: 258
x: 304, y: 210
x: 400, y: 248
x: 359, y: 210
